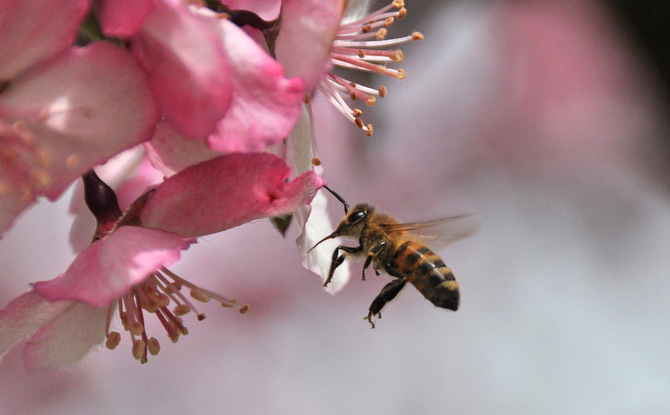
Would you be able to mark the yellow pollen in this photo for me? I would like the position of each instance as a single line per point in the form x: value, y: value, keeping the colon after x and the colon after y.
x: 40, y: 178
x: 359, y: 123
x: 402, y: 13
x: 417, y: 36
x: 382, y: 91
x: 371, y: 101
x: 398, y: 4
x: 73, y: 161
x: 401, y: 74
x: 316, y: 161
x: 113, y: 340
x: 398, y: 56
x: 389, y: 21
x: 381, y: 34
x: 370, y: 131
x: 357, y: 113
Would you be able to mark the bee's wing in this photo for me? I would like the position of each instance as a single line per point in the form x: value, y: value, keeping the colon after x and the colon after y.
x: 440, y: 232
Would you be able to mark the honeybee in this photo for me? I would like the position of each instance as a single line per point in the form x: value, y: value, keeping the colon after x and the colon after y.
x: 398, y: 249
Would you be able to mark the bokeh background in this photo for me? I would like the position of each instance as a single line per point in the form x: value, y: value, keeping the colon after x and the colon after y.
x: 549, y: 120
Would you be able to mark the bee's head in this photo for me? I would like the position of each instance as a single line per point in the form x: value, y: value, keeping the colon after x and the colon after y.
x: 352, y: 224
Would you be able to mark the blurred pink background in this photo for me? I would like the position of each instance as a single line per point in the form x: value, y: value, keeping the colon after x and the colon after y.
x: 540, y: 117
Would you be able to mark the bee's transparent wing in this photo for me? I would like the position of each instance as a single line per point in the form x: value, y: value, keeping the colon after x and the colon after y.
x: 439, y: 233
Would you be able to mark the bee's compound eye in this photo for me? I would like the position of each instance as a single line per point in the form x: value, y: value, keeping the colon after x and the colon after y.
x: 357, y: 215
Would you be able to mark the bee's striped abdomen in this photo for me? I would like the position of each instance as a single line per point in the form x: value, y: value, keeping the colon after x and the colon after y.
x: 428, y: 273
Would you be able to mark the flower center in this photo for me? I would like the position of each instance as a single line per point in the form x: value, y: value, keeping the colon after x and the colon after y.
x: 362, y: 45
x: 156, y: 295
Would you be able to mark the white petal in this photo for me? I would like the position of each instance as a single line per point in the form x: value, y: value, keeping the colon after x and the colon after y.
x: 24, y: 315
x: 67, y: 339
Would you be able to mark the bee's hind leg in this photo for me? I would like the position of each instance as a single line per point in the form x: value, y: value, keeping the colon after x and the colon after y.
x: 373, y: 253
x: 387, y: 294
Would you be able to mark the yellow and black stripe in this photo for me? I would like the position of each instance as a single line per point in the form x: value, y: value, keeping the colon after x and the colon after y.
x: 427, y: 272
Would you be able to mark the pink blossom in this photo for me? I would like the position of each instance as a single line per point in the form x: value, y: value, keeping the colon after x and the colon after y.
x: 211, y: 80
x: 62, y: 116
x: 126, y: 267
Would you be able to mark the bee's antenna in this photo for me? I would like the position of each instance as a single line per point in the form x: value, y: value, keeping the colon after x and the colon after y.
x: 346, y: 205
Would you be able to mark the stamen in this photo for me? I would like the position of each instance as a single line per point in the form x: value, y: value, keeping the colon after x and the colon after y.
x: 154, y: 296
x: 362, y: 45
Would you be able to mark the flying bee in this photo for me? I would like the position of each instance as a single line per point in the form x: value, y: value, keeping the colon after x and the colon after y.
x: 398, y: 249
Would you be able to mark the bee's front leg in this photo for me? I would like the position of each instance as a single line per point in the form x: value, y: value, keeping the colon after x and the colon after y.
x: 337, y: 259
x: 373, y: 253
x: 387, y: 294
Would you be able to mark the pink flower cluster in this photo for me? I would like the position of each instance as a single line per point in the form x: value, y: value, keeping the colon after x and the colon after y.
x: 214, y: 100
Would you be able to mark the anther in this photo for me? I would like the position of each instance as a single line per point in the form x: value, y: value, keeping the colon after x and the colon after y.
x: 181, y: 309
x: 139, y: 349
x: 154, y: 346
x: 200, y: 295
x: 113, y: 340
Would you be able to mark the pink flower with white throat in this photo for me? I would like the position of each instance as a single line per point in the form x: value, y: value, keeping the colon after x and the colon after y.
x: 125, y: 267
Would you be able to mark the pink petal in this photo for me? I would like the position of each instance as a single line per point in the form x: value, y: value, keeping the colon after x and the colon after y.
x: 316, y: 20
x: 170, y: 152
x: 225, y: 192
x: 66, y: 339
x: 34, y: 30
x: 265, y: 104
x: 111, y: 266
x: 123, y: 18
x: 187, y: 68
x: 76, y: 112
x: 25, y: 314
